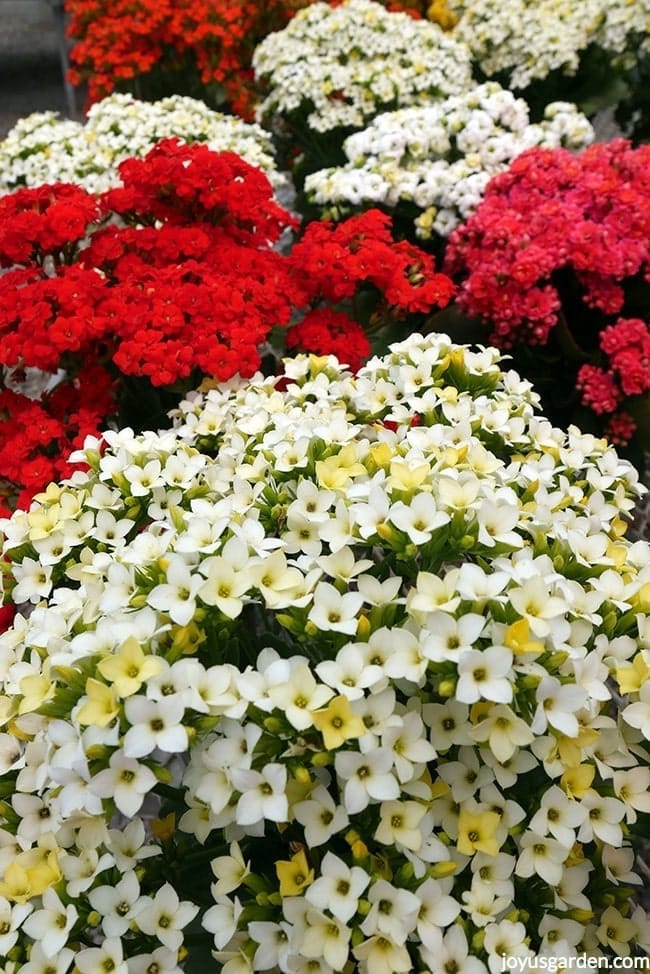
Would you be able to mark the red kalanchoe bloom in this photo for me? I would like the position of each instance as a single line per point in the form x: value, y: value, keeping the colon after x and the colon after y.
x: 186, y: 283
x: 327, y: 332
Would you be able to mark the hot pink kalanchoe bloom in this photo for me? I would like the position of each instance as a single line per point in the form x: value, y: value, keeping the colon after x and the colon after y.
x: 560, y: 245
x: 554, y: 212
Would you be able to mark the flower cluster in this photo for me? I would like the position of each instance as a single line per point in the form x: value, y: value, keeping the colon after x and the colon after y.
x: 203, y: 44
x: 556, y: 252
x: 197, y: 47
x: 626, y: 375
x: 525, y: 40
x: 43, y: 148
x: 437, y: 159
x: 171, y: 277
x: 338, y: 67
x: 328, y: 669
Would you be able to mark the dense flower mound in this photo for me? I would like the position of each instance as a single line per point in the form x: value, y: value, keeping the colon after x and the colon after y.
x: 525, y: 40
x: 559, y: 251
x: 437, y: 159
x: 43, y: 148
x: 330, y: 670
x: 339, y: 66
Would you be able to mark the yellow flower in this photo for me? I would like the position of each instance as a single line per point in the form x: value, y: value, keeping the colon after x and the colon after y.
x: 101, y: 707
x: 380, y: 456
x: 336, y: 471
x: 294, y: 874
x: 630, y: 679
x: 36, y: 689
x: 129, y: 668
x: 31, y: 873
x: 164, y: 828
x: 641, y: 599
x: 476, y: 833
x: 576, y: 782
x: 517, y: 638
x: 570, y: 748
x: 408, y: 476
x: 16, y: 885
x: 337, y: 723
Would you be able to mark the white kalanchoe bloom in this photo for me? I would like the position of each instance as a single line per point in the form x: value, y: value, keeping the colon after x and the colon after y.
x: 439, y: 157
x: 340, y: 66
x: 43, y: 148
x: 328, y: 749
x: 527, y: 39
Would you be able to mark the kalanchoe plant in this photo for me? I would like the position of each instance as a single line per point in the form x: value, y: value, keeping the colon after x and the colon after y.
x: 541, y: 47
x: 330, y: 671
x: 428, y: 166
x: 169, y: 278
x: 333, y: 68
x: 201, y: 48
x: 43, y: 148
x: 556, y: 265
x: 157, y: 48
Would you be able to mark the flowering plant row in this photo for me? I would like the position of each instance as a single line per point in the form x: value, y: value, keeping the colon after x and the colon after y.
x: 556, y: 260
x: 202, y: 45
x: 160, y: 47
x: 43, y: 148
x: 543, y: 48
x: 333, y: 68
x: 328, y: 672
x: 429, y: 165
x: 184, y: 248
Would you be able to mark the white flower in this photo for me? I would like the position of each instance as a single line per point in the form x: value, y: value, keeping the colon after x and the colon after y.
x: 166, y: 916
x: 557, y: 706
x: 338, y: 888
x: 129, y: 845
x: 367, y: 778
x: 334, y: 611
x: 637, y: 714
x: 445, y: 637
x: 602, y: 820
x: 162, y: 960
x: 381, y: 955
x: 118, y: 905
x: 484, y: 674
x: 154, y: 724
x: 450, y: 951
x: 536, y: 605
x: 505, y: 939
x: 320, y: 816
x: 51, y: 925
x: 393, y: 911
x: 559, y: 815
x: 542, y: 856
x: 98, y: 960
x: 326, y: 937
x: 40, y: 963
x: 273, y: 940
x: 262, y: 794
x: 299, y: 696
x: 400, y: 823
x: 230, y: 871
x: 11, y: 919
x: 177, y: 596
x: 503, y: 731
x: 221, y: 919
x: 126, y: 781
